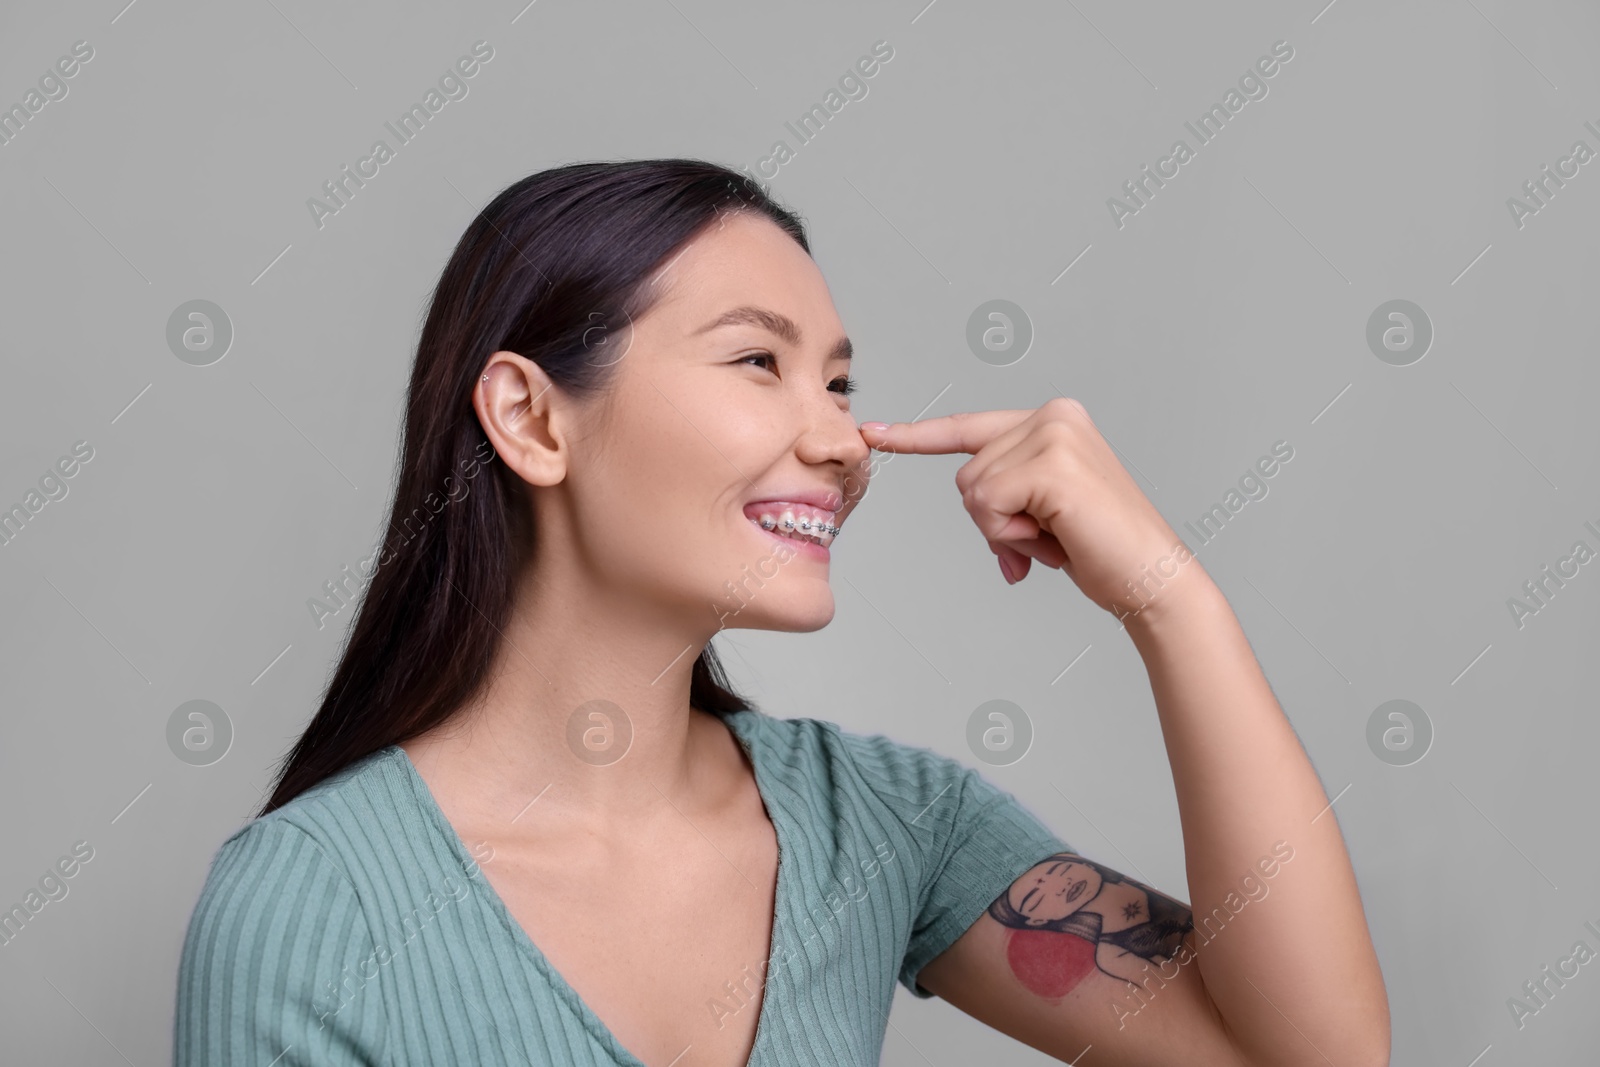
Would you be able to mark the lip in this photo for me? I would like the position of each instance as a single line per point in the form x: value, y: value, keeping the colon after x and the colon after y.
x: 826, y: 499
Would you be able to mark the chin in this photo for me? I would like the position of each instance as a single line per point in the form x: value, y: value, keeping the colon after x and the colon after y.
x: 785, y: 612
x: 816, y: 620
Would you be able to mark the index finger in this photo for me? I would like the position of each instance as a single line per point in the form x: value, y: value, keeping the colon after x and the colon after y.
x: 964, y: 431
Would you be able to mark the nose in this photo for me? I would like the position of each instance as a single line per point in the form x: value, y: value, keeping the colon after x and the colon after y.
x: 834, y: 441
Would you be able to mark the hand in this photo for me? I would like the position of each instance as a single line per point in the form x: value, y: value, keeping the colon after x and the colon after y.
x: 1044, y: 485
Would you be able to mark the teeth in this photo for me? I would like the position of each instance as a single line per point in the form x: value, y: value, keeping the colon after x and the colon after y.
x: 803, y: 526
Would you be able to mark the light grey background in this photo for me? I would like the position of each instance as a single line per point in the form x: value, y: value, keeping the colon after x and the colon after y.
x: 1228, y: 314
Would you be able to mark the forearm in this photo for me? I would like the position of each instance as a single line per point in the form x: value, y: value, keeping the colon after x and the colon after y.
x: 1296, y: 950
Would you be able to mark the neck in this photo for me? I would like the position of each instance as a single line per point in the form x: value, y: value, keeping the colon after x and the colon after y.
x: 585, y: 717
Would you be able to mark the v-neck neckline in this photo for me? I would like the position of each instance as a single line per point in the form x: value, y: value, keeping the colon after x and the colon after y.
x: 742, y: 725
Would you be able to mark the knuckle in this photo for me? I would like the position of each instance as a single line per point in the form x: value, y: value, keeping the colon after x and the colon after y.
x: 1066, y: 409
x: 1057, y: 432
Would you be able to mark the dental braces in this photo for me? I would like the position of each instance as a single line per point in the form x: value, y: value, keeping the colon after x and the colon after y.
x: 805, y: 526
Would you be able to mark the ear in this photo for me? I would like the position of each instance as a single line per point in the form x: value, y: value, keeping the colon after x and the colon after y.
x: 524, y: 416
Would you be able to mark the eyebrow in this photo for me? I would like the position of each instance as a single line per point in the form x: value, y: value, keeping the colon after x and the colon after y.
x: 775, y: 323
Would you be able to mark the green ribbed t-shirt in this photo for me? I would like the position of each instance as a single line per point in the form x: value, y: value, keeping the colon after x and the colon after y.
x: 353, y: 926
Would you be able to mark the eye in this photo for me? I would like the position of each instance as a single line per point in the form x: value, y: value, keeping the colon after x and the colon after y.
x: 843, y: 385
x: 757, y: 355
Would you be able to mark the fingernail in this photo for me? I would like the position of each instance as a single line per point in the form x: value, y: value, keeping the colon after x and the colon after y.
x: 879, y: 426
x: 1005, y: 569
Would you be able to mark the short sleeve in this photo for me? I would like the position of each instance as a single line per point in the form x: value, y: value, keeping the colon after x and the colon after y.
x: 974, y: 840
x: 279, y: 964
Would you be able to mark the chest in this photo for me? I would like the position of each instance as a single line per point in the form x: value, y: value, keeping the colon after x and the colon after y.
x: 667, y: 946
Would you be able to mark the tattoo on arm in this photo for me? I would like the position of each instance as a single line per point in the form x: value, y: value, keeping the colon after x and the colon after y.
x: 1069, y: 916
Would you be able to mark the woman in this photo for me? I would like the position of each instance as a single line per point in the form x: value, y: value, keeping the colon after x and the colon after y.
x: 531, y: 823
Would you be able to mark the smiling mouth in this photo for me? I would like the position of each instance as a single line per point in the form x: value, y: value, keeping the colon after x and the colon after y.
x: 794, y: 522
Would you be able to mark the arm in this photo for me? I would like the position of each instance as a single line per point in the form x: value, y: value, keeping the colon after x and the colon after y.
x: 1294, y: 978
x: 1301, y: 981
x: 1281, y: 968
x: 1080, y: 999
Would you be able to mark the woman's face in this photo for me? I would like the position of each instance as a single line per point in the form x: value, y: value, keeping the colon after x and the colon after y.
x: 727, y: 403
x: 1053, y: 890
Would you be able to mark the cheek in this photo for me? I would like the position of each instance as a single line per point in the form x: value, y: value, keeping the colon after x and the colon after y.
x: 703, y: 435
x: 655, y: 455
x: 681, y: 454
x: 679, y: 488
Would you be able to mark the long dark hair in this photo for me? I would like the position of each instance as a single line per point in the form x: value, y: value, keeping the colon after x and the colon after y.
x: 555, y: 268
